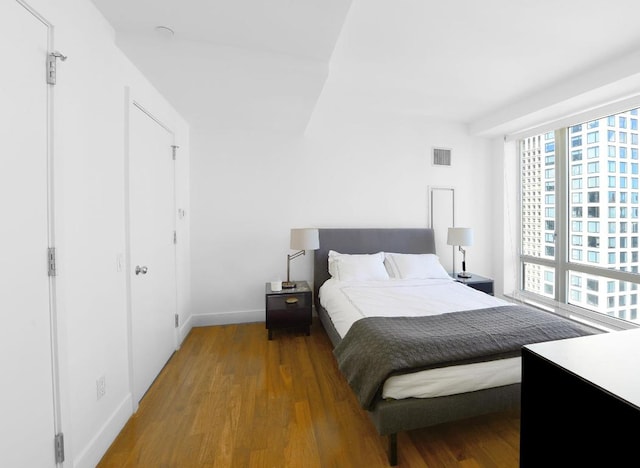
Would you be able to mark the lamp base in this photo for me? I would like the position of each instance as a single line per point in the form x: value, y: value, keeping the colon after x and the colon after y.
x: 462, y: 274
x: 288, y: 284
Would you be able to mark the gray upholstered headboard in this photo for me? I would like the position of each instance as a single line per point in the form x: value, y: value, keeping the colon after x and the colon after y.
x: 365, y: 241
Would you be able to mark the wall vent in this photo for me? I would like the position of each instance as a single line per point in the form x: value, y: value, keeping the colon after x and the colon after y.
x: 441, y: 157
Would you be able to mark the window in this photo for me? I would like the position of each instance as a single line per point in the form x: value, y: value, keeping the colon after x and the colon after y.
x: 600, y: 197
x: 622, y: 122
x: 593, y: 284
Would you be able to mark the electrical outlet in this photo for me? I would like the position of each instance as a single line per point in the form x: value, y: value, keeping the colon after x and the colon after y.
x: 101, y: 387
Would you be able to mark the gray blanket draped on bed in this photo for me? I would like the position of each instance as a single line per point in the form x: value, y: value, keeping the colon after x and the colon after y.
x: 375, y: 348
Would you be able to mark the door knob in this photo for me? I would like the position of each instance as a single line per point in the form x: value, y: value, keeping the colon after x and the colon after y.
x: 142, y: 270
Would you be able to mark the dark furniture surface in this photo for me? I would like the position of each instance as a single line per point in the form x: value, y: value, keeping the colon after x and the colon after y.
x: 288, y: 308
x: 581, y: 401
x: 392, y: 416
x: 476, y: 282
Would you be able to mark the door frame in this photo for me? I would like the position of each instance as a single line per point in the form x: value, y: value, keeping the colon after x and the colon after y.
x: 130, y: 102
x: 55, y: 344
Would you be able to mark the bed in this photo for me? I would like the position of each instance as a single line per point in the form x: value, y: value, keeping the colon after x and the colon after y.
x: 363, y: 320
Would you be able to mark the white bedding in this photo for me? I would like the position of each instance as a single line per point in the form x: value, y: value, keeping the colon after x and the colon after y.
x: 348, y: 301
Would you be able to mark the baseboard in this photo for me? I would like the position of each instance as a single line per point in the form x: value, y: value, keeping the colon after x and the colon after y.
x: 227, y: 318
x: 185, y: 328
x: 96, y: 448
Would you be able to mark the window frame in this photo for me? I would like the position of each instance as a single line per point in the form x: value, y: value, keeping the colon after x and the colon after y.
x: 562, y: 265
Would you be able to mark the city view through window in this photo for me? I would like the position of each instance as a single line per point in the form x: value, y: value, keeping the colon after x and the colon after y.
x: 579, y: 215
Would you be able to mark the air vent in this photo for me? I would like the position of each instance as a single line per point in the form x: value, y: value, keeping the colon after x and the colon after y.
x: 441, y: 157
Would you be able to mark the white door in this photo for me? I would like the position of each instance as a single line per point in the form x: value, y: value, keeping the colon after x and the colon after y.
x: 152, y: 248
x: 27, y: 405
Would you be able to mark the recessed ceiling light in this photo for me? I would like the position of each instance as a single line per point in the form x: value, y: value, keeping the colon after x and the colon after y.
x: 164, y: 31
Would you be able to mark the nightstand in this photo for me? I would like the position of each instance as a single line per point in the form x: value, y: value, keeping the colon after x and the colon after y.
x: 476, y: 282
x: 289, y: 308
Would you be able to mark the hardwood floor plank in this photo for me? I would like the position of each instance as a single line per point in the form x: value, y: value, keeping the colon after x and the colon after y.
x: 231, y: 398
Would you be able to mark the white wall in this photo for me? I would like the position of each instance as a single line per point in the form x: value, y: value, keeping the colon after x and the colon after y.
x: 608, y: 89
x: 352, y: 168
x: 89, y: 152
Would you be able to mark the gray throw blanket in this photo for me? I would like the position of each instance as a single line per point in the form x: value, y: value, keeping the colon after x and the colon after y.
x: 375, y: 348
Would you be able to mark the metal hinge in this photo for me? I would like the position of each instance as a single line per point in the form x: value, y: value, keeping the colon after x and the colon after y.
x: 51, y: 260
x: 52, y: 63
x: 175, y: 237
x: 174, y: 149
x: 177, y: 320
x: 59, y: 447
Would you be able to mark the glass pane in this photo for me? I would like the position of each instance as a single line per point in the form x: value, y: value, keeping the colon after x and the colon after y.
x: 604, y: 295
x: 537, y: 171
x: 539, y: 279
x: 603, y: 203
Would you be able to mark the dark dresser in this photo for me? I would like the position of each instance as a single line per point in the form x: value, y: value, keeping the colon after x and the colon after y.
x: 581, y: 402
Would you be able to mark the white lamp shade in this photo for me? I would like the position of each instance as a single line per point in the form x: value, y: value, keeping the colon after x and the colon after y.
x: 460, y: 236
x: 305, y: 239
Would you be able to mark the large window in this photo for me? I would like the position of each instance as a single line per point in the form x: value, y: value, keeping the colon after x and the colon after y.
x: 579, y: 217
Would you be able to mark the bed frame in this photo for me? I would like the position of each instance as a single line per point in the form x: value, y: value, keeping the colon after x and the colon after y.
x: 392, y: 416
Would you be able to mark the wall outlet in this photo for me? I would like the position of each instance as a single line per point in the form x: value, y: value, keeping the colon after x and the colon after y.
x: 101, y: 387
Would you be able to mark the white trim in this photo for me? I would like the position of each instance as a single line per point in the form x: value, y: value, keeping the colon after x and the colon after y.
x: 184, y: 329
x: 594, y: 113
x: 53, y: 299
x: 90, y: 455
x: 228, y: 318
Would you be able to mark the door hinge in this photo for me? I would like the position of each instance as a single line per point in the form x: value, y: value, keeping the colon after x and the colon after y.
x: 177, y: 320
x: 51, y: 260
x: 52, y: 64
x: 174, y: 149
x: 175, y: 237
x: 59, y: 447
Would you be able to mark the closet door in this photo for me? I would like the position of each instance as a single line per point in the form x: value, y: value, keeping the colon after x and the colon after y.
x: 153, y: 253
x: 27, y: 405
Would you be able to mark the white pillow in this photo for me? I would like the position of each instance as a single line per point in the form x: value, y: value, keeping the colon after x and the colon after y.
x: 357, y: 267
x: 414, y: 266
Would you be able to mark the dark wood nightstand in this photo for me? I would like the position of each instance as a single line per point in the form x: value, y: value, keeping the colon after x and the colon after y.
x: 289, y: 308
x: 476, y: 282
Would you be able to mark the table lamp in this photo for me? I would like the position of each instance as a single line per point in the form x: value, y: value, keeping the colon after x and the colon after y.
x: 301, y: 240
x: 461, y: 237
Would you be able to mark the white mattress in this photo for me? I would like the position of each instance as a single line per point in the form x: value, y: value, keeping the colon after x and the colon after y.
x: 347, y: 302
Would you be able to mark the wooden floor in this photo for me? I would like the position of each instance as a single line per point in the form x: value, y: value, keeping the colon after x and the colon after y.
x: 231, y: 398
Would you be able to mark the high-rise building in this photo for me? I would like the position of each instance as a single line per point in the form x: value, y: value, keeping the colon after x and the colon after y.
x: 600, y: 217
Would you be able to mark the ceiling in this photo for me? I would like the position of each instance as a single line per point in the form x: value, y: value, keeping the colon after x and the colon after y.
x: 457, y: 60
